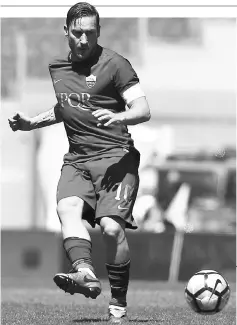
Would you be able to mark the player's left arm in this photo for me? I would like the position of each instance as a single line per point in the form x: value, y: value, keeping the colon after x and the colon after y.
x: 138, y: 111
x: 127, y: 84
x: 136, y: 101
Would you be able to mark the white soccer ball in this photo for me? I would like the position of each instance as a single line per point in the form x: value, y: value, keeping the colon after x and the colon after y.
x: 207, y: 292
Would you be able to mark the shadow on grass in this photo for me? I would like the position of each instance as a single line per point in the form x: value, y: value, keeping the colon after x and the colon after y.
x: 97, y: 320
x: 88, y: 320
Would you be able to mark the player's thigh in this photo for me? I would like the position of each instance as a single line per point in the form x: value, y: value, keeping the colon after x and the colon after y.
x: 70, y: 207
x: 117, y: 186
x: 118, y: 199
x: 74, y: 188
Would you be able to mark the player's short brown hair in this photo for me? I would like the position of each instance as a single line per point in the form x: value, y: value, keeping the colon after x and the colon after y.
x: 81, y: 9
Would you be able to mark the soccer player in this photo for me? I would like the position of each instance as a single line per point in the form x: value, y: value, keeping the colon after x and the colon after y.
x: 99, y: 178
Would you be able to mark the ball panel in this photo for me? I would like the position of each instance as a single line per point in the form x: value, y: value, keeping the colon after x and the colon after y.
x: 224, y: 299
x: 196, y: 283
x: 204, y: 294
x: 191, y: 301
x: 200, y: 292
x: 217, y: 282
x: 207, y: 303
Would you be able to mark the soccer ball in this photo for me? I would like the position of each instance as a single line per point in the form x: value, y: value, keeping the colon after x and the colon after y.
x: 207, y: 292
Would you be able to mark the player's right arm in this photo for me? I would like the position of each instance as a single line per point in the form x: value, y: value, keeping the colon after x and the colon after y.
x: 24, y: 123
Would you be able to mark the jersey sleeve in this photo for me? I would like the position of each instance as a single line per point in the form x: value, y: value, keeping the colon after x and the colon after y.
x: 124, y: 76
x: 132, y: 93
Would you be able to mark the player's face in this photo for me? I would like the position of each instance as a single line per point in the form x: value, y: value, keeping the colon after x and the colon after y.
x: 82, y: 37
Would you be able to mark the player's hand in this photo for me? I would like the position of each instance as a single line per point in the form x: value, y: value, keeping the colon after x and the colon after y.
x: 20, y: 122
x: 106, y: 117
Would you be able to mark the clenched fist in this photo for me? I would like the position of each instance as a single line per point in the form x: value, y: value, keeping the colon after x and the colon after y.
x: 20, y: 122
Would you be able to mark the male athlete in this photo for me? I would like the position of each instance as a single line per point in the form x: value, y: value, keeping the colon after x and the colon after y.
x: 93, y: 86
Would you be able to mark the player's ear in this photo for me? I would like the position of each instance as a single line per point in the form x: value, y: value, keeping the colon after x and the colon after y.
x: 65, y: 30
x: 98, y: 31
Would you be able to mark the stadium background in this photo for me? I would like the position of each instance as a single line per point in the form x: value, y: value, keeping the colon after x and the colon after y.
x: 187, y: 69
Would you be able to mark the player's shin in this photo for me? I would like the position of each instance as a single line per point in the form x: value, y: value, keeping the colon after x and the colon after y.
x: 118, y: 275
x: 78, y: 251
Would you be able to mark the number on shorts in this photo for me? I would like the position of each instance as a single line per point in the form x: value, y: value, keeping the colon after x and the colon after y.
x: 127, y: 192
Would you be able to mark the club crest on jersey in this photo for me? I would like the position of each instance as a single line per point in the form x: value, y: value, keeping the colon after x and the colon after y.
x: 90, y: 81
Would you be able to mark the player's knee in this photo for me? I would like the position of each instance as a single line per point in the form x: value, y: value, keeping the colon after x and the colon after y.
x: 112, y: 228
x: 69, y: 205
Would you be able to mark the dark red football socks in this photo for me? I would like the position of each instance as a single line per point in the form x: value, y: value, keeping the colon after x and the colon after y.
x: 78, y: 251
x: 119, y: 278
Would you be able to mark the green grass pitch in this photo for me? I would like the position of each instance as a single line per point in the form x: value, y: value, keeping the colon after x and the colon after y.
x: 27, y: 303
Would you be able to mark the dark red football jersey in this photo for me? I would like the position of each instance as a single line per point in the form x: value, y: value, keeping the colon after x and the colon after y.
x: 84, y: 87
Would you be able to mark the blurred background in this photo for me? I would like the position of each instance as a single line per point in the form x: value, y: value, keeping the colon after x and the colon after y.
x: 186, y: 205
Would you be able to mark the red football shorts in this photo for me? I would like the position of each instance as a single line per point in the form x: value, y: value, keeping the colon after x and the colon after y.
x: 108, y: 186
